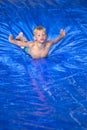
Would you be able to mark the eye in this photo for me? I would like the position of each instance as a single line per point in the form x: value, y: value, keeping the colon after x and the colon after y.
x: 38, y: 35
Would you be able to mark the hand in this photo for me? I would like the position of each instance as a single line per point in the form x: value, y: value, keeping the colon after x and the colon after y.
x: 62, y: 33
x: 10, y: 37
x: 20, y: 37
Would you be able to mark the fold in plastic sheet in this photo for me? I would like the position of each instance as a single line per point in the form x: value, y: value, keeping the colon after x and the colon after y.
x: 48, y: 93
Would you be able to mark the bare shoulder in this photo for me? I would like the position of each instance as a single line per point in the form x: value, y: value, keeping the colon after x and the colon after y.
x: 30, y: 43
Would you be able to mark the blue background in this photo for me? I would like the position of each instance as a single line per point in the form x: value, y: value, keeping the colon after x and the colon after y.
x: 48, y: 93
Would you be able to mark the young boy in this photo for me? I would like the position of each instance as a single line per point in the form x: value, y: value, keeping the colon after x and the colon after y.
x: 40, y: 47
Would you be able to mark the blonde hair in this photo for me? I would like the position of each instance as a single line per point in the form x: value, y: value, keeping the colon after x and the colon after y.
x: 39, y: 28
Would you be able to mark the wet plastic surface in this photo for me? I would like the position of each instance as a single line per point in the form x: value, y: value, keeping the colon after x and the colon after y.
x: 48, y: 93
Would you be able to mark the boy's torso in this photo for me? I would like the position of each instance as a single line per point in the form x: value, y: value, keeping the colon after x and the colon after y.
x: 39, y: 50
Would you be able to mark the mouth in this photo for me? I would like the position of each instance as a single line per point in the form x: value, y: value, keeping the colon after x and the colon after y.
x: 42, y: 40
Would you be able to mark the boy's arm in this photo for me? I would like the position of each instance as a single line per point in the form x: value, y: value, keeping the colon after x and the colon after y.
x: 19, y: 43
x: 62, y: 35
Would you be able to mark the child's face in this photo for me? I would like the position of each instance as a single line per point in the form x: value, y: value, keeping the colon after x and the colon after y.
x: 40, y: 36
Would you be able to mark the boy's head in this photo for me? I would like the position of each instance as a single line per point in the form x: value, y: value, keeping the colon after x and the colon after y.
x: 40, y: 34
x: 39, y: 28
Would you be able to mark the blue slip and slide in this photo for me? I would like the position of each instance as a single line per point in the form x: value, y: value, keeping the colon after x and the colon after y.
x: 48, y: 93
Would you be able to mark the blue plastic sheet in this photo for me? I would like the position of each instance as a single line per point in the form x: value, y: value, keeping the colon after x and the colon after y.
x: 48, y: 93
